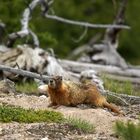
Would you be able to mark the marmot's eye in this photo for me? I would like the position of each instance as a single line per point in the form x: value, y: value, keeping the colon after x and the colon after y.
x: 51, y: 80
x: 60, y: 78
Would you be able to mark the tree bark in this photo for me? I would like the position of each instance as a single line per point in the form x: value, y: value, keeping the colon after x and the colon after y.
x: 121, y: 98
x: 105, y: 52
x: 132, y: 74
x: 24, y: 73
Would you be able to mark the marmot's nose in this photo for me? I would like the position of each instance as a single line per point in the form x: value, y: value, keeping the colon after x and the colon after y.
x: 51, y: 81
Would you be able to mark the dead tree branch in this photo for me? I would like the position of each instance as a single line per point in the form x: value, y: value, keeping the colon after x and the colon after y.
x: 129, y: 74
x: 79, y: 50
x: 112, y: 33
x: 86, y: 24
x: 45, y: 7
x: 126, y: 99
x: 105, y: 52
x: 123, y: 99
x: 24, y: 73
x: 81, y: 36
x: 123, y: 78
x: 35, y: 38
x: 26, y: 17
x: 81, y: 23
x: 2, y: 27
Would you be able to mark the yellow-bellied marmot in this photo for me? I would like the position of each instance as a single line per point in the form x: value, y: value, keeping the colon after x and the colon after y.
x: 70, y: 93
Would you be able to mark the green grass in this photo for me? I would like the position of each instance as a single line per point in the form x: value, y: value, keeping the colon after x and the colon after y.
x: 27, y: 87
x: 120, y: 87
x: 81, y: 124
x: 128, y: 131
x: 18, y: 114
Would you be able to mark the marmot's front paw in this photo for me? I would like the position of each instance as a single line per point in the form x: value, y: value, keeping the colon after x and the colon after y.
x: 53, y: 106
x: 122, y: 114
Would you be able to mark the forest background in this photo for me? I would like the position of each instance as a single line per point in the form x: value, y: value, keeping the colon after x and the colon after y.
x: 60, y: 36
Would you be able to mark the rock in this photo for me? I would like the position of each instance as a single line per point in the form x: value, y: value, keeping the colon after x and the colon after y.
x: 7, y: 87
x: 46, y: 138
x: 42, y: 96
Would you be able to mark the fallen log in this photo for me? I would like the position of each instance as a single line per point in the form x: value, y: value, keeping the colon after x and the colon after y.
x: 122, y: 98
x: 130, y: 74
x: 24, y: 73
x: 133, y: 80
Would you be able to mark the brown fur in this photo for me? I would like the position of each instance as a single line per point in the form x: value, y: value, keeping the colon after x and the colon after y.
x: 70, y: 93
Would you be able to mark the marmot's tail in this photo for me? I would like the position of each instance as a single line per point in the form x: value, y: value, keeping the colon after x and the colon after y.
x: 112, y: 107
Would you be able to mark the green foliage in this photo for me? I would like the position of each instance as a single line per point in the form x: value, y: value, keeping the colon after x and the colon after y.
x: 81, y: 124
x: 60, y: 35
x: 27, y: 87
x: 52, y: 33
x: 18, y: 114
x: 128, y: 131
x: 129, y: 45
x: 120, y: 87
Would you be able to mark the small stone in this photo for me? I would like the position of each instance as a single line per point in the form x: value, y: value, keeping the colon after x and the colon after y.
x: 46, y: 138
x: 43, y: 96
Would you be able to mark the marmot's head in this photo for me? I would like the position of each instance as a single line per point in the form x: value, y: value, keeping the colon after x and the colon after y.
x: 55, y: 82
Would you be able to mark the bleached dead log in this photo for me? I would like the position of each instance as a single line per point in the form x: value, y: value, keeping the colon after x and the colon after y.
x: 77, y: 67
x: 3, y: 48
x: 80, y: 50
x: 24, y: 73
x: 121, y: 98
x: 35, y: 60
x: 123, y: 78
x: 54, y: 68
x: 27, y: 58
x: 105, y: 53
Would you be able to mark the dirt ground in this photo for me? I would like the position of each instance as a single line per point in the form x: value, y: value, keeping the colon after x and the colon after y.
x: 102, y: 119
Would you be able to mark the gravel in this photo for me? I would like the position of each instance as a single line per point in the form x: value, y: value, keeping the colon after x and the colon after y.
x: 102, y: 119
